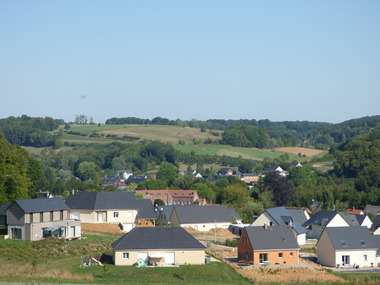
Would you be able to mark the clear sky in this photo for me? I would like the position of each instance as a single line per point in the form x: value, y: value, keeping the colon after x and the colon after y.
x: 202, y: 59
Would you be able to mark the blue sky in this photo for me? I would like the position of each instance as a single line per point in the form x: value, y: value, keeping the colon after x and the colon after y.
x: 202, y: 59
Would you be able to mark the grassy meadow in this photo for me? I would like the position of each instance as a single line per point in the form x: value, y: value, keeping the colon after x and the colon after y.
x: 175, y: 134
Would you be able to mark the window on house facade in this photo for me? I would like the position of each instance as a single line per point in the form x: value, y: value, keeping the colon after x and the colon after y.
x: 280, y: 255
x: 41, y: 217
x: 31, y: 218
x: 115, y: 214
x: 61, y: 215
x: 263, y: 257
x: 51, y: 216
x: 125, y: 255
x: 365, y: 258
x: 291, y: 254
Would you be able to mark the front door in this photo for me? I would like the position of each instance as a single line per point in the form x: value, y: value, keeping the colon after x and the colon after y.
x: 345, y: 259
x: 100, y: 217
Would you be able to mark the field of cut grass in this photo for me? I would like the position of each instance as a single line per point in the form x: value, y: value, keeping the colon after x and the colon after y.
x: 247, y: 153
x: 175, y: 134
x: 171, y: 134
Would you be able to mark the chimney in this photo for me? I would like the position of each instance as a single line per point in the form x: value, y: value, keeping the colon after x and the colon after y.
x: 266, y: 226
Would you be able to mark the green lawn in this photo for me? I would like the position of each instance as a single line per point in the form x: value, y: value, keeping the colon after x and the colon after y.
x: 247, y: 153
x: 57, y: 261
x: 213, y: 273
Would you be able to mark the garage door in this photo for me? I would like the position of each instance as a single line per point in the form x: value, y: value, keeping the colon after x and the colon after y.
x: 143, y: 256
x: 169, y: 258
x: 127, y: 227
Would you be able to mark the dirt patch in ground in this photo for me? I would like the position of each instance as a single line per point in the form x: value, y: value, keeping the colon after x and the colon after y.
x: 301, y: 150
x: 220, y: 233
x: 102, y: 228
x: 304, y: 272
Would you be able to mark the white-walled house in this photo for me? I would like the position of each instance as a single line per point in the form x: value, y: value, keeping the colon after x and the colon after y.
x: 121, y: 208
x: 280, y: 216
x: 204, y: 218
x: 321, y: 220
x: 348, y: 247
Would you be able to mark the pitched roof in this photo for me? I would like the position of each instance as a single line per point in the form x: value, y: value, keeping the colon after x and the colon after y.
x: 351, y: 238
x: 283, y: 216
x: 320, y: 218
x: 375, y: 224
x: 41, y: 205
x: 350, y: 219
x: 145, y: 238
x: 3, y: 208
x: 360, y: 218
x: 274, y: 237
x: 274, y: 168
x: 103, y: 201
x: 205, y: 214
x: 137, y: 179
x: 374, y: 210
x: 298, y: 214
x: 145, y: 209
x: 355, y: 211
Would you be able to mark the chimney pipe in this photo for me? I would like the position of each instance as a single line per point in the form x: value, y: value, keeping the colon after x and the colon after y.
x: 265, y: 226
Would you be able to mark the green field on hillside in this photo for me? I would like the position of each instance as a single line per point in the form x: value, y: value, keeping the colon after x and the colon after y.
x: 170, y: 134
x: 247, y: 153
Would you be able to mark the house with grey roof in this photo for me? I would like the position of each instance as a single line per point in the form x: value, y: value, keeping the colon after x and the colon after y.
x: 3, y: 214
x: 375, y: 227
x: 278, y: 169
x: 268, y: 245
x: 348, y: 247
x: 158, y: 246
x: 224, y: 171
x: 121, y: 208
x: 34, y: 219
x: 373, y: 210
x: 320, y: 220
x: 137, y: 179
x: 281, y: 216
x: 204, y: 218
x: 364, y: 220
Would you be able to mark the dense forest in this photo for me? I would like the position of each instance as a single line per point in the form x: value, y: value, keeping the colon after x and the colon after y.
x: 354, y: 181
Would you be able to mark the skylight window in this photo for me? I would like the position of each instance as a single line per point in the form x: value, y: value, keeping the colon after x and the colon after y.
x: 343, y: 243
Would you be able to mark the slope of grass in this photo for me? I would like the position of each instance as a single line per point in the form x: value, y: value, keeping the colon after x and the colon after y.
x: 248, y: 153
x: 170, y: 134
x: 57, y: 261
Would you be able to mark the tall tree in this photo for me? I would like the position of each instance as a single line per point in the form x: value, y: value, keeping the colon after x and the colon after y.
x: 280, y: 187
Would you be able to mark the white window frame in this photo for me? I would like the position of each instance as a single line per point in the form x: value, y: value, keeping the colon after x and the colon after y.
x: 125, y: 255
x: 115, y: 214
